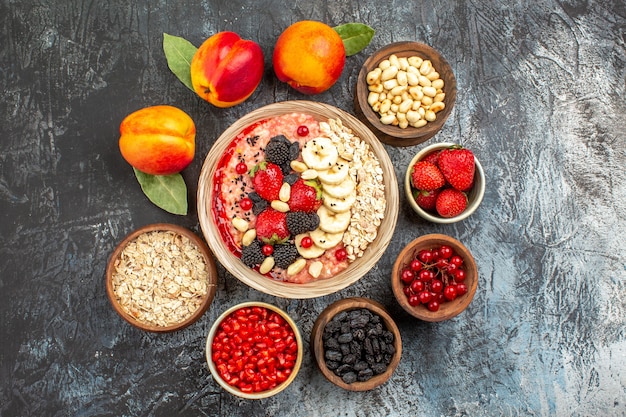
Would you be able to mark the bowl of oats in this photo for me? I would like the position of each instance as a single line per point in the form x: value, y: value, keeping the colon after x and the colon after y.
x: 161, y: 278
x: 405, y: 92
x: 298, y: 199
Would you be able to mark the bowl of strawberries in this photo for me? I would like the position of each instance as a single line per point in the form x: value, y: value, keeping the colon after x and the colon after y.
x: 444, y: 183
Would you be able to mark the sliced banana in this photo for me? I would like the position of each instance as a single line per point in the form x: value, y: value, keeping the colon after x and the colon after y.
x: 332, y: 222
x: 336, y: 173
x: 320, y: 154
x: 341, y: 190
x: 308, y: 253
x: 324, y: 239
x: 340, y: 205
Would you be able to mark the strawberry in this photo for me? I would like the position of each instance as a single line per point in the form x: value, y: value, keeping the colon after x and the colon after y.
x: 271, y: 227
x: 426, y: 199
x: 305, y: 196
x: 426, y: 176
x: 267, y: 178
x: 451, y: 202
x: 431, y: 157
x: 457, y: 166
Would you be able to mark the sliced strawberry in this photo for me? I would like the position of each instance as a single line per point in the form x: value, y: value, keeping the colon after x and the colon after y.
x: 426, y: 176
x: 451, y: 203
x: 267, y: 178
x: 457, y: 166
x: 306, y: 195
x: 426, y: 199
x: 271, y: 227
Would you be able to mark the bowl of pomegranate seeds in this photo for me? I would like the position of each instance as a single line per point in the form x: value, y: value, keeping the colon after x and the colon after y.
x: 254, y: 350
x: 434, y: 278
x: 444, y: 183
x: 356, y: 344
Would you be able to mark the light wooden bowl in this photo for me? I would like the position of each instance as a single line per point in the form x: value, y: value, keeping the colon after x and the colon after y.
x: 317, y: 344
x: 234, y: 390
x: 474, y: 196
x: 206, y: 254
x: 449, y: 309
x: 233, y: 264
x: 393, y: 135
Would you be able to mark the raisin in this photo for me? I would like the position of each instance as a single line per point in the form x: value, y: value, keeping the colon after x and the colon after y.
x: 350, y: 358
x: 345, y: 348
x: 332, y: 365
x: 331, y: 344
x: 345, y: 338
x: 379, y: 368
x: 365, y: 374
x: 349, y: 377
x: 344, y: 369
x: 360, y: 365
x: 333, y: 355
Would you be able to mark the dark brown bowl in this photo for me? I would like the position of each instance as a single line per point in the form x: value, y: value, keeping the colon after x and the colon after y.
x: 203, y: 304
x: 317, y: 344
x: 447, y: 309
x: 393, y: 135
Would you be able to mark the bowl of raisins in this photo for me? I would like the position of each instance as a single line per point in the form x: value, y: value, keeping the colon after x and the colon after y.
x: 254, y: 350
x: 434, y: 278
x: 356, y: 344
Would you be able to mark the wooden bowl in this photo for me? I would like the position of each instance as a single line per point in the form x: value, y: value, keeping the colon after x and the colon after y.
x: 180, y: 234
x: 393, y: 135
x: 356, y: 269
x: 474, y: 196
x: 447, y: 309
x: 317, y: 343
x: 234, y: 390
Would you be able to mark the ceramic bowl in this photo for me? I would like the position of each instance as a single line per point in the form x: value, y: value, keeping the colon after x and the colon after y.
x: 213, y: 226
x: 346, y: 306
x: 474, y: 196
x: 394, y: 135
x: 154, y: 311
x: 215, y: 328
x: 448, y: 309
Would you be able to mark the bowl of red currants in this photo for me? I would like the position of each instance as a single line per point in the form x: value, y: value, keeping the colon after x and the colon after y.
x: 434, y: 278
x: 444, y: 183
x: 254, y: 350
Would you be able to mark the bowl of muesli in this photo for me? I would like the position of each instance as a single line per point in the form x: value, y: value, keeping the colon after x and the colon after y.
x: 161, y: 278
x: 298, y: 199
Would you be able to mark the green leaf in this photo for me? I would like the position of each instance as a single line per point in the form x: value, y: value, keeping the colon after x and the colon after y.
x: 179, y: 52
x: 168, y: 192
x: 355, y: 36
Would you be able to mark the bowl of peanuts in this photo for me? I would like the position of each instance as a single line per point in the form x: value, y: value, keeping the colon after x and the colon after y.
x: 405, y: 91
x: 161, y: 278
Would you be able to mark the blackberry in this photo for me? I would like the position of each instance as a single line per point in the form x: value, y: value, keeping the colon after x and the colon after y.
x: 277, y: 150
x: 252, y: 254
x: 284, y: 255
x: 298, y: 222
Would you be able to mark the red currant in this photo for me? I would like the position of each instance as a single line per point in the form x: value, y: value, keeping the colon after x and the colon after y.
x: 435, y: 254
x: 450, y: 292
x: 441, y: 263
x: 457, y: 260
x: 461, y: 289
x: 246, y: 204
x: 340, y: 254
x: 241, y: 168
x: 436, y: 285
x: 445, y: 252
x: 267, y: 250
x: 433, y: 305
x: 417, y: 286
x: 416, y: 265
x: 425, y: 255
x: 407, y: 276
x: 414, y: 300
x: 302, y: 130
x: 425, y: 296
x: 459, y: 274
x: 407, y: 291
x: 426, y: 275
x: 307, y: 242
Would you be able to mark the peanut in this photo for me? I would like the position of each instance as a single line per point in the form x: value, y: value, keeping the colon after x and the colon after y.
x: 405, y: 91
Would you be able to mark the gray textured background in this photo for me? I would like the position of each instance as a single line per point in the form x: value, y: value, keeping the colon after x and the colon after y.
x: 541, y: 102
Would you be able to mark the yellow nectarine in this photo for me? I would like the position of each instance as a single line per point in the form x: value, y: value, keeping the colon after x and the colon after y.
x: 226, y: 69
x: 158, y: 140
x: 309, y: 56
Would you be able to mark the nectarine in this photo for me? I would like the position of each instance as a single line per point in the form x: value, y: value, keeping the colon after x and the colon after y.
x: 158, y: 140
x: 309, y: 56
x: 226, y: 69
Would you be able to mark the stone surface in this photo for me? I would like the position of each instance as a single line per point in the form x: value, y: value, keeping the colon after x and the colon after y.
x: 541, y: 102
